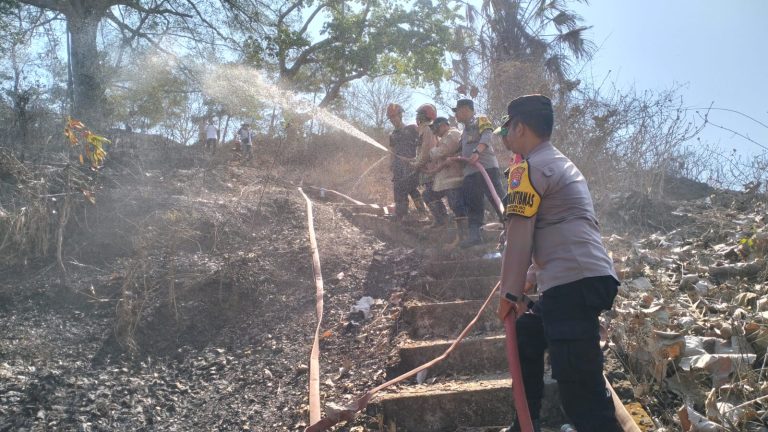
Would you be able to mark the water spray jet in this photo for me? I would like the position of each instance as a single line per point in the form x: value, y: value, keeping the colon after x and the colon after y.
x: 242, y: 86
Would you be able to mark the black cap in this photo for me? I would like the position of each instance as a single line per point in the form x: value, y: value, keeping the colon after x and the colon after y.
x: 464, y: 102
x: 528, y: 104
x: 438, y: 121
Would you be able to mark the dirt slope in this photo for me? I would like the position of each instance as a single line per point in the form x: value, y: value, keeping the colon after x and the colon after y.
x: 189, y: 305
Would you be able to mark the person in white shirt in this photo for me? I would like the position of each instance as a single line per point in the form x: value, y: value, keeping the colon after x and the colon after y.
x: 246, y: 140
x: 211, y: 136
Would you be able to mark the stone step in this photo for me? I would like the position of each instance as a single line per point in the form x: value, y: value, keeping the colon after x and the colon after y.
x: 472, y: 356
x: 373, y: 219
x: 480, y: 401
x: 499, y: 427
x: 464, y: 268
x: 373, y: 210
x: 387, y: 230
x: 447, y: 320
x: 473, y: 288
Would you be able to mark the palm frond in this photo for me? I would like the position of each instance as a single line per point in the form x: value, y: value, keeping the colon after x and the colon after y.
x: 565, y: 20
x: 534, y: 47
x: 486, y: 8
x: 557, y: 67
x: 577, y: 44
x: 471, y: 15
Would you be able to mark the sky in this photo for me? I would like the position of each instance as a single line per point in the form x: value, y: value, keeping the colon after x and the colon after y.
x: 715, y: 49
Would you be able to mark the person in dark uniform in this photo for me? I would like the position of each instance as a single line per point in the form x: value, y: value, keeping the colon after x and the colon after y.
x: 476, y: 146
x: 553, y: 242
x: 403, y: 141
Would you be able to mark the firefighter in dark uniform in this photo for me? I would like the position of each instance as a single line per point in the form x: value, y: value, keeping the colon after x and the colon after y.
x: 404, y: 141
x: 553, y: 242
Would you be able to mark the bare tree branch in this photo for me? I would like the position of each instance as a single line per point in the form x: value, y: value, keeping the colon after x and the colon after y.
x: 55, y: 5
x: 154, y: 10
x: 309, y: 20
x: 209, y: 24
x: 303, y: 57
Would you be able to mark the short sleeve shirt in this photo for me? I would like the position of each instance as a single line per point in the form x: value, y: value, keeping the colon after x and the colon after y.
x: 551, y: 222
x: 478, y: 131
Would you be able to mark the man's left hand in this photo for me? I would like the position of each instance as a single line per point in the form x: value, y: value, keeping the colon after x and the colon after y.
x: 474, y: 158
x: 506, y: 307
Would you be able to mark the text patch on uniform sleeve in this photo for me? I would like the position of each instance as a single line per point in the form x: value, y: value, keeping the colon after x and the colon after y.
x: 522, y: 199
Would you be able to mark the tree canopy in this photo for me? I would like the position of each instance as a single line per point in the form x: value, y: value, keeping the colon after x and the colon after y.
x: 324, y: 45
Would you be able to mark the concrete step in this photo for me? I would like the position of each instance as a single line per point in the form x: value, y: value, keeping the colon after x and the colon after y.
x: 497, y: 428
x: 415, y: 232
x: 447, y: 320
x: 463, y: 268
x: 473, y: 356
x: 368, y: 209
x: 479, y: 401
x: 387, y: 230
x: 473, y: 288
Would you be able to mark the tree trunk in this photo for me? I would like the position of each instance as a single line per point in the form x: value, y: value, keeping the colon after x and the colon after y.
x: 89, y: 93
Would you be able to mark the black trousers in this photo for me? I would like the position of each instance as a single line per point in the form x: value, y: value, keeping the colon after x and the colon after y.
x: 474, y: 189
x: 403, y: 187
x: 455, y: 200
x: 565, y: 321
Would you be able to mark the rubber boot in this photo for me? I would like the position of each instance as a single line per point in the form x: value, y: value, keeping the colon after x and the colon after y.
x: 461, y: 232
x: 473, y: 238
x: 516, y: 427
x: 419, y: 204
x: 439, y: 215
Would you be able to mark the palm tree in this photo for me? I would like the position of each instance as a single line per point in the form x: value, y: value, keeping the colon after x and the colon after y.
x: 521, y: 46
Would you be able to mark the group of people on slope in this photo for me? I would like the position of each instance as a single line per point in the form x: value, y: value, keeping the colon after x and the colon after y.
x: 243, y: 139
x: 437, y: 156
x: 553, y: 242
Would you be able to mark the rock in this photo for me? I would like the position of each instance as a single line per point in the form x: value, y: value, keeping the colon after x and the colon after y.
x: 363, y: 306
x: 688, y: 282
x: 694, y: 345
x: 641, y: 284
x: 302, y: 369
x: 422, y: 376
x: 686, y: 322
x: 702, y: 287
x: 762, y: 304
x: 746, y: 299
x: 742, y: 270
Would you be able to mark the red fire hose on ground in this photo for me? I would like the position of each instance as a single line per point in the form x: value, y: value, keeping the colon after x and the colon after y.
x: 510, y: 328
x: 318, y: 424
x: 314, y: 358
x: 521, y: 403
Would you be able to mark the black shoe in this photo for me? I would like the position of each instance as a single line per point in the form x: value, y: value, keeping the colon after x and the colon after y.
x: 437, y: 224
x: 516, y: 427
x: 473, y: 238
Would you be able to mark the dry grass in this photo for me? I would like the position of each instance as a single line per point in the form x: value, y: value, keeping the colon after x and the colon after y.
x: 36, y: 202
x: 337, y: 161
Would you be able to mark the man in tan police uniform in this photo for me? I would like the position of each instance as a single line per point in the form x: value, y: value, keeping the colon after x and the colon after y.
x: 552, y: 230
x: 449, y: 175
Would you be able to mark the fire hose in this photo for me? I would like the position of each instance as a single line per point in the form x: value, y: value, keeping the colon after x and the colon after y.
x: 510, y: 328
x: 333, y: 417
x: 622, y: 415
x: 314, y: 359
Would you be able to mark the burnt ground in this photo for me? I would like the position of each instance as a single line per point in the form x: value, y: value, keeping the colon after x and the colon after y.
x: 188, y: 301
x: 189, y: 304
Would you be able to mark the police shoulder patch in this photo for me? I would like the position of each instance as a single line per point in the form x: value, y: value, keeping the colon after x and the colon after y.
x: 484, y: 123
x: 522, y: 198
